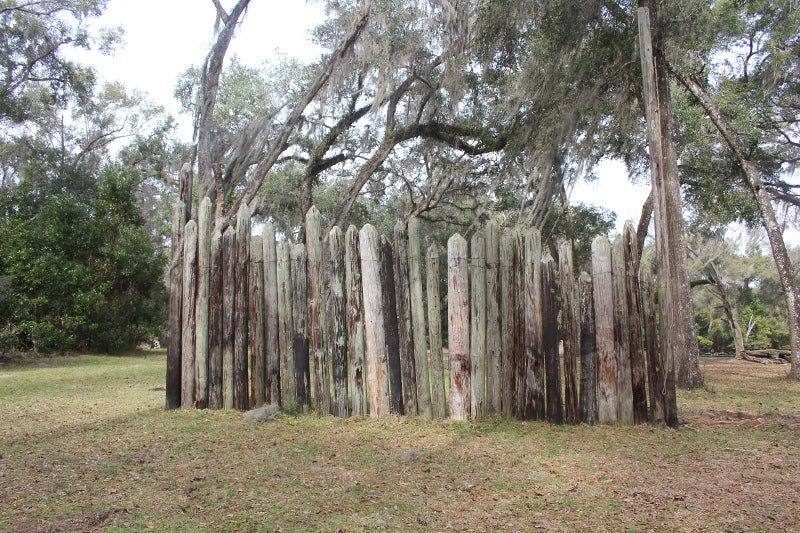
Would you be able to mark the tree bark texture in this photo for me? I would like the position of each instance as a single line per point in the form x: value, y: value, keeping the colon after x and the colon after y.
x: 604, y: 331
x: 187, y: 314
x: 228, y: 314
x: 174, y: 325
x: 418, y: 320
x: 374, y: 333
x: 570, y: 332
x: 355, y: 324
x: 507, y: 318
x: 257, y: 337
x: 392, y: 334
x: 588, y: 395
x: 241, y: 400
x: 621, y: 338
x: 272, y: 354
x: 437, y: 375
x: 316, y: 312
x: 458, y: 327
x: 493, y: 323
x: 287, y: 385
x: 337, y: 321
x: 204, y: 224
x: 405, y: 335
x: 534, y: 363
x: 635, y: 338
x: 300, y: 363
x: 216, y: 311
x: 477, y: 337
x: 549, y: 313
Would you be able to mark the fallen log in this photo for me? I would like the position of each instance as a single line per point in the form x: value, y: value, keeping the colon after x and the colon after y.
x: 768, y: 356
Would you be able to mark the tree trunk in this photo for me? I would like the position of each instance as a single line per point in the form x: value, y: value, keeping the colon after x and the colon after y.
x: 762, y: 197
x: 635, y: 341
x: 621, y: 335
x: 677, y: 324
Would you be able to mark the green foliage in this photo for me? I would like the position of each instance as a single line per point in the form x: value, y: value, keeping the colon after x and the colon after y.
x: 79, y: 273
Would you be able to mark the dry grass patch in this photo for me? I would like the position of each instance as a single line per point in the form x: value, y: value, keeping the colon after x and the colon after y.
x: 90, y: 448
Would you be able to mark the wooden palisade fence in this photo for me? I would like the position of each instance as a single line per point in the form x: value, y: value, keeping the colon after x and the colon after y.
x: 350, y: 324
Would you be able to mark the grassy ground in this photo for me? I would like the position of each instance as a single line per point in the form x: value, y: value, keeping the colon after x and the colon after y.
x: 87, y: 446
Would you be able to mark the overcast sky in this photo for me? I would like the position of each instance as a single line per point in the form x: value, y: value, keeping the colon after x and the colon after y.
x: 165, y: 37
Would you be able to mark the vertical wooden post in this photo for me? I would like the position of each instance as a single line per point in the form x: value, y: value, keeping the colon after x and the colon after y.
x: 241, y: 398
x: 477, y: 351
x: 287, y: 385
x: 300, y: 364
x: 405, y: 334
x: 655, y: 363
x: 337, y: 321
x: 392, y: 332
x: 604, y: 329
x: 377, y: 360
x: 493, y: 324
x: 588, y: 396
x: 175, y: 323
x: 228, y: 314
x: 437, y: 376
x: 458, y: 326
x: 215, y: 324
x: 570, y: 332
x: 316, y: 312
x: 272, y: 385
x: 257, y: 336
x: 507, y: 318
x: 355, y: 324
x: 635, y: 340
x: 421, y: 368
x: 521, y: 337
x: 621, y: 339
x: 204, y: 223
x: 534, y: 365
x: 187, y: 314
x: 549, y: 310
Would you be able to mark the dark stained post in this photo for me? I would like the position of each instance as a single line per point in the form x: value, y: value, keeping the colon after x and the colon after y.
x: 374, y: 333
x: 257, y: 353
x: 655, y: 362
x: 493, y: 324
x: 635, y: 342
x: 204, y: 223
x: 187, y: 314
x: 521, y: 338
x: 300, y: 346
x: 316, y: 312
x: 392, y: 333
x: 570, y: 332
x: 588, y: 396
x: 404, y: 331
x: 535, y: 366
x: 355, y: 324
x: 458, y: 326
x: 621, y: 339
x: 272, y: 385
x: 507, y: 318
x: 174, y: 325
x: 241, y: 400
x: 228, y: 313
x: 215, y: 324
x: 288, y: 384
x: 418, y: 319
x: 337, y: 321
x: 604, y: 331
x: 477, y: 337
x: 549, y: 310
x: 437, y: 375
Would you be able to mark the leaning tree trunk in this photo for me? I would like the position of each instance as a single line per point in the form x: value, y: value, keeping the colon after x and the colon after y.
x: 677, y: 326
x: 779, y: 253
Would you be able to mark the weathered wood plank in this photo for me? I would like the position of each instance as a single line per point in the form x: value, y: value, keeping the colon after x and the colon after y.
x: 204, y: 225
x: 534, y: 364
x: 392, y: 333
x: 521, y: 338
x: 588, y: 393
x: 374, y: 333
x: 272, y: 385
x: 549, y: 309
x: 175, y: 324
x: 257, y: 337
x: 570, y: 332
x: 215, y: 323
x: 477, y: 351
x: 187, y: 313
x: 228, y: 313
x: 241, y: 400
x: 337, y: 321
x: 507, y: 318
x: 655, y: 363
x: 404, y: 331
x: 458, y: 326
x: 355, y: 324
x: 437, y: 375
x: 422, y: 370
x: 635, y: 322
x: 316, y: 312
x: 301, y: 363
x: 621, y: 338
x: 604, y: 331
x: 288, y: 383
x: 493, y: 323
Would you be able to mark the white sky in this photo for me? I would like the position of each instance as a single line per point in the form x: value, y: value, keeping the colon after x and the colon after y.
x: 165, y: 37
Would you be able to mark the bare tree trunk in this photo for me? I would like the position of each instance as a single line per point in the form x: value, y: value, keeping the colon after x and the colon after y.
x: 779, y: 252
